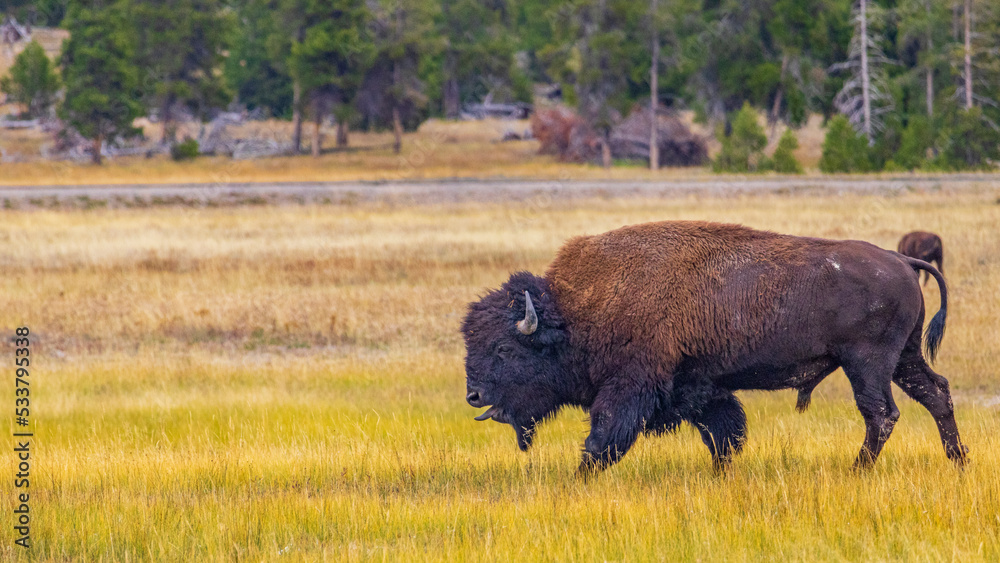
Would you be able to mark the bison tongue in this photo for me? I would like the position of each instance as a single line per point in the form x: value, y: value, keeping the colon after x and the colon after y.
x: 490, y: 412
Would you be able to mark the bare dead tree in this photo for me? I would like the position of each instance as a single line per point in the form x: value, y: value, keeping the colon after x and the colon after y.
x: 930, y: 65
x: 968, y: 54
x: 865, y: 97
x: 654, y: 146
x: 772, y: 117
x: 978, y: 73
x: 296, y: 115
x: 318, y: 108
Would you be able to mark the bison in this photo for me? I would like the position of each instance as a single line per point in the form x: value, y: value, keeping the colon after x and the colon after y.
x: 923, y: 246
x: 651, y: 325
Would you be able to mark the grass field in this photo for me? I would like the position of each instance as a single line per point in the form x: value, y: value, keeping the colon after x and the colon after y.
x: 285, y: 383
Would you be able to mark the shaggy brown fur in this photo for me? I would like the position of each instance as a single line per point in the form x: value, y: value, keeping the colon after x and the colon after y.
x: 650, y: 325
x: 923, y: 246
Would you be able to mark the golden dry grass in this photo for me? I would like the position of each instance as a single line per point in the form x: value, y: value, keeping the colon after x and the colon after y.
x: 259, y: 383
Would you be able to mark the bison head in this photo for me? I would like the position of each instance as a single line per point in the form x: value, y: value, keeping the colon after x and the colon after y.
x: 515, y: 354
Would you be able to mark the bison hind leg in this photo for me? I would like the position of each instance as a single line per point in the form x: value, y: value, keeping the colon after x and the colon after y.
x: 870, y: 380
x: 931, y: 390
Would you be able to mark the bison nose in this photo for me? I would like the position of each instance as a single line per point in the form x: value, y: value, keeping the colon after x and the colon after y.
x: 473, y: 398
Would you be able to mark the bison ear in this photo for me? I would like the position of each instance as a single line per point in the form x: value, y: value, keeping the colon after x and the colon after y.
x: 551, y: 336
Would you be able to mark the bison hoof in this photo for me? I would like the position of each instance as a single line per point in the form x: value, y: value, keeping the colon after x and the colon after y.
x: 864, y: 462
x: 721, y: 464
x: 960, y: 457
x: 589, y: 467
x: 585, y: 472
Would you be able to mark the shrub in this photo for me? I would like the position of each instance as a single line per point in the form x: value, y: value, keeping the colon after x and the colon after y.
x: 32, y: 81
x: 185, y: 150
x: 887, y: 143
x: 784, y: 160
x: 798, y: 108
x: 892, y: 166
x: 916, y: 139
x: 844, y: 150
x: 743, y: 149
x: 764, y: 164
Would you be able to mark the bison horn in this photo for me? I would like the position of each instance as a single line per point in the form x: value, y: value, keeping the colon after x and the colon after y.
x: 530, y: 323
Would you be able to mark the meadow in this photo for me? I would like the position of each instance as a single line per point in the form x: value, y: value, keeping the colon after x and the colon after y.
x: 262, y: 383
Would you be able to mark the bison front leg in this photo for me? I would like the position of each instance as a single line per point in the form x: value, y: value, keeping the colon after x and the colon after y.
x: 616, y: 418
x: 723, y: 427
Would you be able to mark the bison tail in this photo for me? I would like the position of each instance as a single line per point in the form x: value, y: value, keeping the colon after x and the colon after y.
x: 935, y: 331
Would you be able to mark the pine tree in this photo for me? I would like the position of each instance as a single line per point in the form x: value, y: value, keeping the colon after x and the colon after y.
x: 923, y: 27
x: 792, y: 28
x: 330, y: 60
x: 732, y: 58
x: 180, y: 46
x: 32, y: 81
x: 968, y: 142
x: 290, y: 28
x: 980, y: 63
x: 258, y: 79
x: 47, y: 13
x: 394, y: 88
x: 597, y: 63
x: 478, y: 60
x: 99, y: 73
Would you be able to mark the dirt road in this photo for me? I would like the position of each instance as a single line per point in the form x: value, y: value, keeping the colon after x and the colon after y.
x: 443, y: 191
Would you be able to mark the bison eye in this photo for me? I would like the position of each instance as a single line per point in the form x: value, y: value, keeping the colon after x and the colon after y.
x: 504, y: 350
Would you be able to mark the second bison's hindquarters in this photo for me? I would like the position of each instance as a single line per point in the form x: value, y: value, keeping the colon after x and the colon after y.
x: 923, y: 246
x: 652, y: 325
